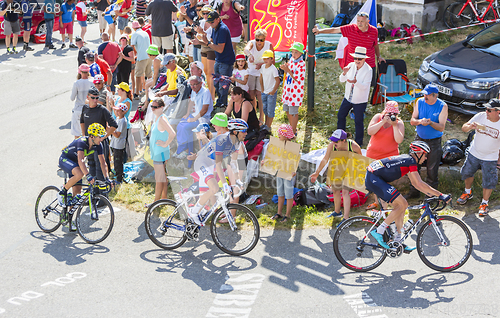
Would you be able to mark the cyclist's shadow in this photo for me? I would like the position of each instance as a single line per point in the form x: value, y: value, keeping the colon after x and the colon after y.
x: 63, y: 249
x: 201, y: 262
x: 488, y: 242
x: 390, y: 290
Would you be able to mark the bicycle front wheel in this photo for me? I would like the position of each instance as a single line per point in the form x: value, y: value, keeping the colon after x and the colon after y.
x: 240, y: 240
x: 95, y: 221
x: 449, y: 252
x: 47, y: 210
x: 453, y: 19
x: 355, y: 248
x: 164, y: 224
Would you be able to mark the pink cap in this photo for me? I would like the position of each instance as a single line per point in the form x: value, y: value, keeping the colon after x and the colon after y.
x: 286, y: 131
x: 121, y: 106
x: 391, y: 107
x: 98, y: 78
x: 83, y: 68
x: 135, y: 25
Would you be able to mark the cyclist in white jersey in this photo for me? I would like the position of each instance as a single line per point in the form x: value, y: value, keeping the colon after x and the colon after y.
x: 208, y: 163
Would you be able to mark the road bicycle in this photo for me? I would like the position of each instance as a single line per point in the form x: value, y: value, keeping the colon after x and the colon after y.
x: 94, y: 213
x: 444, y: 243
x: 234, y: 227
x: 469, y: 12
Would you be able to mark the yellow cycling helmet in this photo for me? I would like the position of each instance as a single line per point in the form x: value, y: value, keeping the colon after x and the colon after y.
x: 96, y: 129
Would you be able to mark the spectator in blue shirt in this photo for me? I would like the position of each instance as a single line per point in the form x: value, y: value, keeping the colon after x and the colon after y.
x: 66, y: 20
x: 27, y: 16
x: 224, y: 54
x: 49, y: 16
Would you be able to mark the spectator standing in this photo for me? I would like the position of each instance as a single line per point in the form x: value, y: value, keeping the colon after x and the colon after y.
x: 293, y: 88
x: 124, y: 97
x: 191, y: 30
x: 187, y: 12
x: 207, y: 54
x: 66, y: 21
x: 339, y: 142
x: 103, y: 92
x: 284, y: 187
x: 128, y: 57
x: 270, y: 82
x: 48, y: 16
x: 95, y: 113
x: 482, y: 154
x: 109, y: 17
x: 81, y: 17
x: 199, y: 110
x: 161, y: 24
x: 82, y: 50
x: 156, y: 69
x: 140, y: 8
x: 254, y: 50
x: 240, y: 72
x: 224, y: 54
x: 101, y: 7
x: 387, y: 131
x: 122, y: 14
x: 229, y: 12
x: 110, y: 52
x: 118, y: 140
x: 361, y: 34
x: 429, y: 116
x: 241, y: 107
x: 27, y: 11
x: 11, y: 25
x: 358, y: 76
x: 162, y: 136
x: 140, y: 43
x: 103, y: 66
x: 144, y: 28
x: 79, y: 95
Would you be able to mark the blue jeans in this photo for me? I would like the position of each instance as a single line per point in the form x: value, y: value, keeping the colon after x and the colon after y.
x: 114, y: 81
x: 48, y: 36
x: 122, y: 22
x: 269, y: 104
x: 196, y: 54
x: 359, y: 111
x: 227, y: 70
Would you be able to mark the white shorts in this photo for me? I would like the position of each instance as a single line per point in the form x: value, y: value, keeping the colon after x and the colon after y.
x: 76, y: 129
x: 236, y: 39
x: 166, y: 42
x: 100, y: 19
x: 205, y: 170
x: 188, y: 49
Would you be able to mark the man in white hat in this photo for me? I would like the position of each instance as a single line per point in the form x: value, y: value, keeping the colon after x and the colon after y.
x: 358, y: 75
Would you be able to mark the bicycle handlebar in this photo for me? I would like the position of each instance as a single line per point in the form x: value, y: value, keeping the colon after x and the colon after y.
x: 436, y: 204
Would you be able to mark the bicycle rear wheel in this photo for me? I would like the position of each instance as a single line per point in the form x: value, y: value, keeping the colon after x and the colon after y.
x: 164, y: 224
x: 241, y: 240
x: 95, y: 221
x: 447, y: 256
x: 453, y: 20
x: 47, y: 210
x: 355, y: 248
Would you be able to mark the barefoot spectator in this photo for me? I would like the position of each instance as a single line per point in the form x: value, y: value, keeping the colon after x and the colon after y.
x: 358, y: 77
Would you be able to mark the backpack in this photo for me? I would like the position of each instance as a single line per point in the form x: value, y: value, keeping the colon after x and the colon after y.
x: 314, y: 195
x: 340, y: 19
x: 254, y: 138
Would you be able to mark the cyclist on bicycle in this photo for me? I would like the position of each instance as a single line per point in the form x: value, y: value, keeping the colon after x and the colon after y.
x: 380, y: 172
x: 72, y: 160
x: 208, y: 163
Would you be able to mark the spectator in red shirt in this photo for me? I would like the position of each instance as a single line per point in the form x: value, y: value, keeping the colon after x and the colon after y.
x: 145, y: 28
x: 122, y: 14
x: 110, y: 52
x: 360, y: 34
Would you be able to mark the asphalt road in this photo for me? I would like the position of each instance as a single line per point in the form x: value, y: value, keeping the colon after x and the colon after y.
x: 288, y: 274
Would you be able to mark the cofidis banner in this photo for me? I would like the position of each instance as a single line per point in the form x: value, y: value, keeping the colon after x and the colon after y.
x: 284, y: 20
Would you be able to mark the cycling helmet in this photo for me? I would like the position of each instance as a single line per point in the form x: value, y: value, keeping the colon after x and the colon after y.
x: 93, y: 91
x: 237, y: 125
x: 452, y: 154
x: 219, y: 119
x: 419, y: 145
x: 96, y: 129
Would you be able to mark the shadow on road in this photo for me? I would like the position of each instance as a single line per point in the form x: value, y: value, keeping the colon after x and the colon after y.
x: 63, y: 249
x: 487, y: 249
x: 67, y: 126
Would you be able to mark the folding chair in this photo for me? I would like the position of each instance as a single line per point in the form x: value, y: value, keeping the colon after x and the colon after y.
x: 393, y: 84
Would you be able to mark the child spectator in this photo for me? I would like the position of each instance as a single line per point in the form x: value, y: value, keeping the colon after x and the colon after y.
x: 293, y: 89
x: 81, y: 17
x: 284, y: 187
x: 240, y: 72
x: 27, y: 10
x: 119, y: 139
x: 269, y: 82
x: 204, y: 135
x: 66, y: 23
x: 94, y: 67
x: 339, y: 143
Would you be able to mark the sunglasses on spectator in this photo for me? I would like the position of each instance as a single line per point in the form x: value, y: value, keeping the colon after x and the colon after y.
x: 94, y: 97
x: 358, y: 59
x: 362, y: 14
x: 155, y: 107
x: 489, y: 110
x: 260, y: 40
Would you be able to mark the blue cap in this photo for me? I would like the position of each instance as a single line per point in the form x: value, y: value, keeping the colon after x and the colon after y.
x: 203, y: 126
x: 430, y: 89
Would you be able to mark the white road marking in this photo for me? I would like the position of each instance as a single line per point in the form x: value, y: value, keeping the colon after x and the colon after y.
x: 60, y: 58
x: 5, y: 71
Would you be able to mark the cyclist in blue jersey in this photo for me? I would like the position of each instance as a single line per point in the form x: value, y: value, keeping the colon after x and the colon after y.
x: 208, y: 163
x: 72, y: 160
x: 380, y: 172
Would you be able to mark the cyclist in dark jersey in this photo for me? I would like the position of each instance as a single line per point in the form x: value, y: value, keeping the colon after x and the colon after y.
x: 72, y: 160
x: 380, y: 172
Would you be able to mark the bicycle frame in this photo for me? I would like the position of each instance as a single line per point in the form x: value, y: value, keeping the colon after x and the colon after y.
x: 480, y: 18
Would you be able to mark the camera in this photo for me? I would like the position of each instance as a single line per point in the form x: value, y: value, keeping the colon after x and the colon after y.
x: 393, y: 117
